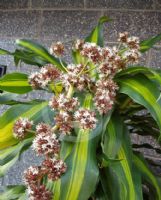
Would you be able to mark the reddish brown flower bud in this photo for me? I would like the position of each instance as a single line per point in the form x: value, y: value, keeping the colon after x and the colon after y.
x: 50, y: 72
x: 47, y: 74
x: 75, y: 77
x: 92, y: 52
x: 55, y: 168
x: 57, y: 49
x: 32, y: 175
x: 21, y: 127
x: 123, y: 37
x: 64, y: 121
x: 105, y: 95
x: 43, y: 129
x: 132, y: 56
x: 39, y: 192
x: 86, y: 118
x: 133, y: 42
x: 46, y: 144
x: 63, y: 103
x: 78, y: 45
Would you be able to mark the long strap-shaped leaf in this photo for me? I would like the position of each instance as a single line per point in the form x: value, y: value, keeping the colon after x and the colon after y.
x: 96, y: 36
x: 147, y: 175
x: 9, y: 156
x: 150, y: 73
x: 41, y: 51
x: 4, y: 52
x: 121, y: 174
x: 144, y: 92
x: 81, y: 177
x: 15, y: 83
x: 37, y: 112
x: 13, y: 192
x: 28, y: 57
x: 145, y: 45
x: 8, y: 98
x: 113, y: 136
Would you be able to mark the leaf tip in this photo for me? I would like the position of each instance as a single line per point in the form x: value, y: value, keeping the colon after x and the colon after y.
x: 104, y: 19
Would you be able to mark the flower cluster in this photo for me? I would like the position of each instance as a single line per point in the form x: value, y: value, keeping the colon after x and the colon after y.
x: 76, y: 77
x: 111, y: 62
x: 108, y: 59
x: 105, y: 95
x: 35, y: 190
x: 57, y: 49
x: 64, y: 121
x: 131, y: 42
x: 86, y: 118
x: 92, y: 51
x: 46, y: 75
x: 132, y: 55
x: 40, y: 192
x: 32, y: 175
x: 43, y: 129
x: 46, y: 144
x: 63, y: 103
x: 65, y: 106
x: 21, y: 127
x: 55, y: 168
x: 52, y: 168
x: 78, y: 45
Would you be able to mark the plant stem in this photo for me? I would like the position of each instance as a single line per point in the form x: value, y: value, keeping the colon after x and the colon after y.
x: 85, y: 65
x: 90, y: 69
x: 31, y: 131
x: 63, y: 65
x: 70, y: 91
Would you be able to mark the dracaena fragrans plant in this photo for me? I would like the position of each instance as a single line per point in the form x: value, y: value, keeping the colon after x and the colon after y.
x: 83, y: 130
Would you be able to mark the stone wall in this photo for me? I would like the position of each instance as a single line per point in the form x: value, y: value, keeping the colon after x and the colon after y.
x: 47, y: 21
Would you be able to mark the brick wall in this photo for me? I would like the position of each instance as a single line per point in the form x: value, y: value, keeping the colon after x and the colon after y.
x: 50, y: 20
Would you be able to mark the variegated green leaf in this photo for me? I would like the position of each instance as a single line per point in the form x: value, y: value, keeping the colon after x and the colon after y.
x: 15, y: 83
x: 28, y: 57
x: 144, y: 92
x: 148, y: 175
x: 149, y: 43
x: 149, y: 72
x: 4, y: 52
x: 9, y: 156
x: 37, y: 112
x: 120, y: 174
x: 42, y: 52
x: 15, y: 192
x: 96, y: 36
x: 113, y: 137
